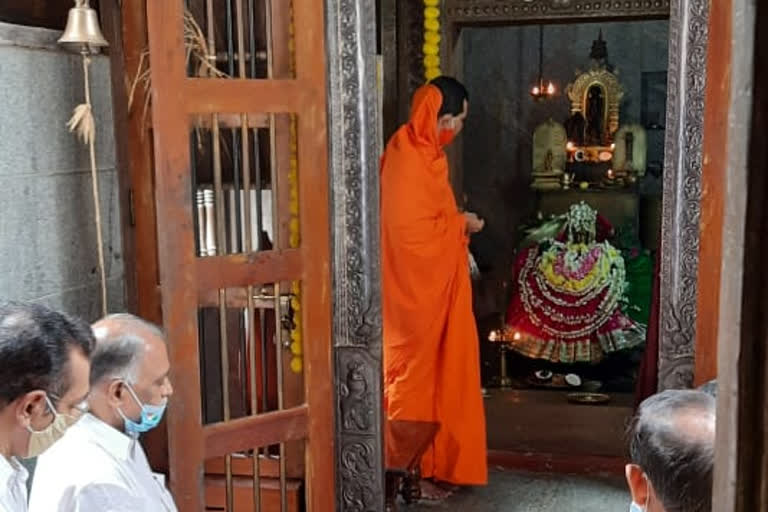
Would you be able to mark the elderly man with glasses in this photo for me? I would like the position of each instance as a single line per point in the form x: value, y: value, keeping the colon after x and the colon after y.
x: 99, y: 465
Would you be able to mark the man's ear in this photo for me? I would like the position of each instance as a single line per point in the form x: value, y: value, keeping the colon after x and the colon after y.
x: 115, y: 390
x: 637, y: 482
x: 29, y: 405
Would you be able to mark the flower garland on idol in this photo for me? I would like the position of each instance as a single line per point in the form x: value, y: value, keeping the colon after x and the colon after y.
x: 431, y: 46
x: 556, y: 286
x: 568, y: 305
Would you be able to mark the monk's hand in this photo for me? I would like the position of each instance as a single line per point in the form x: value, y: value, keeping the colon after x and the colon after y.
x: 474, y: 223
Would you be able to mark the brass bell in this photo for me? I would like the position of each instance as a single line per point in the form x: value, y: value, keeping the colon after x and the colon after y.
x: 83, y: 33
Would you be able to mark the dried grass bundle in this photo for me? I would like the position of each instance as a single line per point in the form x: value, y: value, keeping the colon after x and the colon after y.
x: 83, y: 124
x: 198, y: 60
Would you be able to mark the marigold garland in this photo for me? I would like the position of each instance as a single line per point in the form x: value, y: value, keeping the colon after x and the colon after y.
x: 431, y: 48
x: 576, y: 268
x: 297, y: 361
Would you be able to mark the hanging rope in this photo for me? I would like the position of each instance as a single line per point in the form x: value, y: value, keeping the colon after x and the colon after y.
x: 83, y: 125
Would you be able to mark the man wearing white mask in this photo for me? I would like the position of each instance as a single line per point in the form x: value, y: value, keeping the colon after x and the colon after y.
x: 43, y: 386
x: 99, y: 465
x: 672, y: 448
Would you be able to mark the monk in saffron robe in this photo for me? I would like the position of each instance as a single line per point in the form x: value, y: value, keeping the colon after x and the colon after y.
x: 431, y: 347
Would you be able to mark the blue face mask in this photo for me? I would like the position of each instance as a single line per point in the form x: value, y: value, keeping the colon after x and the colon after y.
x: 634, y: 507
x: 151, y: 415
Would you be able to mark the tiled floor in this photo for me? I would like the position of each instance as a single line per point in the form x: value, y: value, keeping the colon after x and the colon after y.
x: 525, y: 492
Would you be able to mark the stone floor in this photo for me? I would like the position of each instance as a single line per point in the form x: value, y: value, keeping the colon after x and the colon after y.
x: 526, y: 492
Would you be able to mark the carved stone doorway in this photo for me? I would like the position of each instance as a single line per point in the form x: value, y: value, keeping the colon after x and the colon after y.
x: 351, y: 40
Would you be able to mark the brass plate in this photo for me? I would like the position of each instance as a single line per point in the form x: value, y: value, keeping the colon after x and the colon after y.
x: 588, y: 398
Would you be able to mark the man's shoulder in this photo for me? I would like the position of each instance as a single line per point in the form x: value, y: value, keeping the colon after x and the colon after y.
x: 84, y: 459
x: 71, y: 467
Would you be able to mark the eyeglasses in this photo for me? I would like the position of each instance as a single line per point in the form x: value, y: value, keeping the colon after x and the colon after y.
x: 77, y: 410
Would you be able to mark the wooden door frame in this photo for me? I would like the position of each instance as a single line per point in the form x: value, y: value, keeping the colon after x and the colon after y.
x: 353, y: 177
x: 176, y: 99
x: 741, y: 458
x: 683, y: 178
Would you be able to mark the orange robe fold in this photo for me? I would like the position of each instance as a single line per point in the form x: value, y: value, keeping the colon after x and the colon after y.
x: 431, y: 349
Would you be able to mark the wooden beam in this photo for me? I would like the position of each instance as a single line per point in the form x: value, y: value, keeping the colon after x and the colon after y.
x: 741, y: 455
x: 209, y: 95
x: 177, y: 257
x: 242, y: 465
x: 125, y: 27
x: 312, y: 130
x: 241, y: 270
x: 255, y: 431
x: 230, y: 121
x: 714, y: 168
x: 38, y: 13
x: 752, y: 477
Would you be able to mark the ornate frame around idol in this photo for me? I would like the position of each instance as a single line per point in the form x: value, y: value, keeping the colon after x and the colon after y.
x: 613, y: 92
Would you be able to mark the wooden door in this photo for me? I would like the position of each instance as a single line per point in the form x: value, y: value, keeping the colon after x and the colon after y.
x: 241, y: 191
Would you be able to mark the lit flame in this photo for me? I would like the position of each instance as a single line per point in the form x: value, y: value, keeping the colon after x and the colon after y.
x: 570, y: 146
x: 516, y: 336
x: 536, y: 91
x: 610, y: 173
x: 551, y: 88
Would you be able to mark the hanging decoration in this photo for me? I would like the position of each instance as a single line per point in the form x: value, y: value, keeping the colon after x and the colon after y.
x: 294, y: 229
x: 431, y: 46
x: 542, y: 90
x: 83, y: 35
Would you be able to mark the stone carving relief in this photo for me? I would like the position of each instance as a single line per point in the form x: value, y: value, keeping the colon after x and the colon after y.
x: 682, y: 191
x: 353, y: 151
x: 515, y: 10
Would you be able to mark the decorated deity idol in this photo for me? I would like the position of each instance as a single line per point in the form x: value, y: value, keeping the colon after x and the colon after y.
x: 569, y: 293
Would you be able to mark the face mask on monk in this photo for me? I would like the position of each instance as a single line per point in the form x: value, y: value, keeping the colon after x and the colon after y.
x: 446, y: 136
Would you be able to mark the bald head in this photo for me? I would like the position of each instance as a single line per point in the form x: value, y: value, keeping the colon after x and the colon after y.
x: 129, y: 369
x: 122, y: 343
x: 120, y: 323
x: 672, y: 439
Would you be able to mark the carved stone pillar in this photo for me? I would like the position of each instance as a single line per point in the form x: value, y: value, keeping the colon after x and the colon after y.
x: 688, y: 30
x: 354, y: 174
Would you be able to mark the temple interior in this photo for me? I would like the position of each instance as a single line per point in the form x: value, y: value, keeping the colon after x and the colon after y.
x: 566, y: 120
x: 215, y: 168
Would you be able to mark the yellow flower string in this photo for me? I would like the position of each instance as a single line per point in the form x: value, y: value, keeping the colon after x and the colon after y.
x: 599, y: 273
x: 294, y: 232
x: 431, y: 46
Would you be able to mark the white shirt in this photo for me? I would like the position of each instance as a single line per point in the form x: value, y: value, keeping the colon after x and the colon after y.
x: 96, y: 468
x: 13, y: 486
